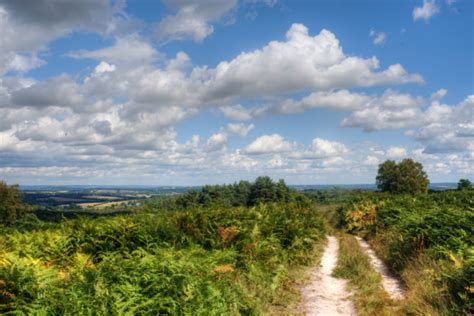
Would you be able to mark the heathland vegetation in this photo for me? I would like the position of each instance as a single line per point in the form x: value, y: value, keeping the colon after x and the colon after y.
x: 201, y: 258
x: 231, y: 249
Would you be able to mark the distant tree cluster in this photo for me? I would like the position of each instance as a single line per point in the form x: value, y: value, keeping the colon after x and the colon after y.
x: 334, y: 195
x: 406, y: 176
x: 11, y: 206
x: 243, y: 193
x: 464, y: 184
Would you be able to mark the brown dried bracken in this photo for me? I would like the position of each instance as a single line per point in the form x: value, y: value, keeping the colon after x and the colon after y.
x: 228, y: 234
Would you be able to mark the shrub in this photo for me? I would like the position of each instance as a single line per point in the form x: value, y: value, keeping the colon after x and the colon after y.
x: 438, y: 225
x: 213, y: 260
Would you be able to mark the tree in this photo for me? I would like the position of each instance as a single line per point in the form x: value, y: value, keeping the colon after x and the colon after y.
x: 407, y: 176
x: 464, y: 184
x: 387, y: 176
x: 283, y: 192
x: 262, y: 190
x: 11, y: 206
x: 241, y: 193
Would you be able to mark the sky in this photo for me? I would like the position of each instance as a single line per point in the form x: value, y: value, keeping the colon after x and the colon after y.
x: 183, y: 92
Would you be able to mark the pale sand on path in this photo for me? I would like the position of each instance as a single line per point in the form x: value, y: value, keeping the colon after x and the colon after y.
x: 324, y: 294
x: 390, y: 283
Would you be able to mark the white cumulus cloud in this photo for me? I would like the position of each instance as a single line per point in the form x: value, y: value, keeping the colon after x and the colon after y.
x: 240, y: 129
x: 267, y: 144
x: 425, y: 12
x: 377, y: 37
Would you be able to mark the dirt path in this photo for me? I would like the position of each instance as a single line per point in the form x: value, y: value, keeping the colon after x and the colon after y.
x: 324, y: 294
x: 390, y: 283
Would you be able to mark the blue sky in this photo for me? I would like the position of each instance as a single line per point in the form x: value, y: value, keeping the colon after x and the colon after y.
x: 192, y: 92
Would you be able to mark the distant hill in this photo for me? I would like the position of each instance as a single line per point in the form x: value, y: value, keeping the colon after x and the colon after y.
x: 182, y: 189
x: 367, y: 187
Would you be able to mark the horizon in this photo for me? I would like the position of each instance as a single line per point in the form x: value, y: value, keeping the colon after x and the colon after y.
x: 189, y: 93
x: 201, y: 185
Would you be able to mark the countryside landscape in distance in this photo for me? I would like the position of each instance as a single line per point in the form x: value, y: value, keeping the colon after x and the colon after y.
x: 237, y: 157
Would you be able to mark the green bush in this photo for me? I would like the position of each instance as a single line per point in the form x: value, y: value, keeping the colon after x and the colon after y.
x: 11, y: 206
x: 440, y: 225
x: 209, y: 261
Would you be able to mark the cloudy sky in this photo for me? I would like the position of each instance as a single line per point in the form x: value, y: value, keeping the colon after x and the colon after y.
x: 183, y: 92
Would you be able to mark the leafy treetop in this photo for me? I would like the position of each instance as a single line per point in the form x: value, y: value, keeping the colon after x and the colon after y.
x: 243, y: 193
x: 406, y: 176
x: 464, y: 184
x: 11, y: 206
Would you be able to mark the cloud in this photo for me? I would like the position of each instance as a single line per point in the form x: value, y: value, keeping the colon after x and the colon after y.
x: 63, y: 15
x: 268, y: 144
x: 320, y: 149
x: 447, y: 128
x: 331, y: 161
x: 104, y: 67
x: 440, y: 127
x: 301, y: 62
x: 277, y: 67
x: 28, y: 26
x: 130, y: 49
x: 217, y: 141
x: 371, y: 161
x: 396, y: 152
x: 439, y: 94
x: 120, y: 118
x: 425, y: 12
x: 236, y: 113
x: 192, y: 19
x: 326, y: 148
x: 338, y: 100
x: 389, y: 111
x: 239, y: 161
x: 240, y: 129
x: 277, y: 162
x: 378, y: 37
x: 59, y: 91
x: 23, y: 63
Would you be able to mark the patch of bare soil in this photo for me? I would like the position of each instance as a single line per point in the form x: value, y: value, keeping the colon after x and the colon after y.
x: 390, y: 283
x: 324, y: 294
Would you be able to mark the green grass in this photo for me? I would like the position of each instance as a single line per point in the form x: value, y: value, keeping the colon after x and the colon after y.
x: 288, y: 299
x: 369, y: 296
x: 364, y: 281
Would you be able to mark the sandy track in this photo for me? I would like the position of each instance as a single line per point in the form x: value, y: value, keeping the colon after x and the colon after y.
x: 325, y: 294
x: 390, y: 283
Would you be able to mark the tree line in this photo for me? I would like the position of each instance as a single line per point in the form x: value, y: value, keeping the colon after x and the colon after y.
x: 242, y: 193
x: 404, y: 177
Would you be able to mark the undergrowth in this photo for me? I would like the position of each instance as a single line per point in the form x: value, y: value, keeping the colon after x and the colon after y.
x: 369, y: 296
x: 210, y: 261
x: 427, y: 239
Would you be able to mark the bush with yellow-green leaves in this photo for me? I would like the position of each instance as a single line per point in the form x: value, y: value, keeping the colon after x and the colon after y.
x: 434, y: 232
x: 209, y: 261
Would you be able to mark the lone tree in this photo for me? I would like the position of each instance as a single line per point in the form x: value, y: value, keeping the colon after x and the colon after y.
x: 464, y: 184
x: 11, y: 207
x: 406, y: 176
